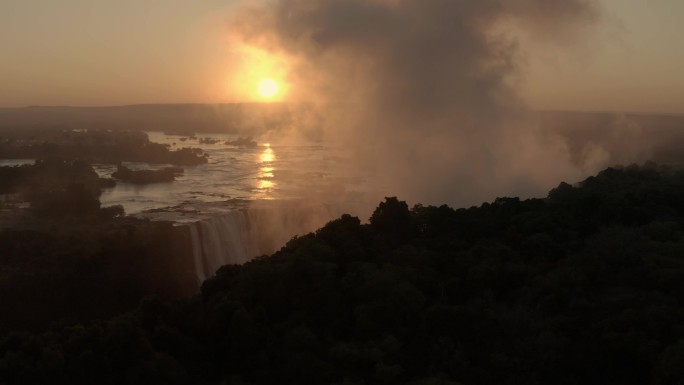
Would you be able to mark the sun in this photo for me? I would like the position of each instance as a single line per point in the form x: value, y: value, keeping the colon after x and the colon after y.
x: 268, y: 88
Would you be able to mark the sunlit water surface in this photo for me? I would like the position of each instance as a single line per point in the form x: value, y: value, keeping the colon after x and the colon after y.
x: 236, y: 176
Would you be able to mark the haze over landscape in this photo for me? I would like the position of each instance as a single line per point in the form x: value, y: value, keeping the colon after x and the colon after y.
x: 423, y: 192
x: 452, y: 93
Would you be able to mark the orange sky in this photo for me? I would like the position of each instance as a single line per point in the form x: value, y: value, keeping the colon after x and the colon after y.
x: 74, y: 52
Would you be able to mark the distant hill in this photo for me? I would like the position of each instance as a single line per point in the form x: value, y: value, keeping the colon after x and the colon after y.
x: 182, y: 118
x: 591, y: 138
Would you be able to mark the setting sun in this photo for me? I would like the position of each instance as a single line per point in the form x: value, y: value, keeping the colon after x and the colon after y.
x: 268, y: 88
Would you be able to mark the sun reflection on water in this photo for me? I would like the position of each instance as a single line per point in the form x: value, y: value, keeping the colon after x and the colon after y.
x: 266, y: 169
x: 268, y: 155
x: 266, y: 184
x: 266, y: 172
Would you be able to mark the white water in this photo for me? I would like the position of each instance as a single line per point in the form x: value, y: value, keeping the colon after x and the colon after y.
x: 197, y: 253
x: 270, y: 171
x: 239, y: 235
x: 246, y: 202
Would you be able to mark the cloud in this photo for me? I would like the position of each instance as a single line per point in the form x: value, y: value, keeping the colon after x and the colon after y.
x: 423, y: 90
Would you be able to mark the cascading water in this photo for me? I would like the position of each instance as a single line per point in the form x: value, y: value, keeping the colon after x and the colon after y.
x: 197, y: 253
x: 247, y: 200
x: 221, y: 240
x: 237, y: 236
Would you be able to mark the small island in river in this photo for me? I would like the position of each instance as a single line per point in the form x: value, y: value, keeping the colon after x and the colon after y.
x: 164, y: 175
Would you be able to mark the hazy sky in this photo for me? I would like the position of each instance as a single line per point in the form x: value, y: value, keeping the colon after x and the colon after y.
x: 76, y: 52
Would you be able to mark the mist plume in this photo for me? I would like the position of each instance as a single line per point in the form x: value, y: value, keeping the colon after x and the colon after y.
x: 424, y: 91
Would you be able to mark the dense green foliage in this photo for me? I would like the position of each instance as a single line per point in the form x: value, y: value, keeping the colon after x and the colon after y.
x: 583, y: 287
x: 66, y: 258
x: 57, y: 189
x: 74, y: 273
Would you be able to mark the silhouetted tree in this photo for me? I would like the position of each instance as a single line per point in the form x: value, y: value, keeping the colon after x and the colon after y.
x: 392, y: 221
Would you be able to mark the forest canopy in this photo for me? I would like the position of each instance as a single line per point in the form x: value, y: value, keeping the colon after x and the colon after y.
x: 584, y: 286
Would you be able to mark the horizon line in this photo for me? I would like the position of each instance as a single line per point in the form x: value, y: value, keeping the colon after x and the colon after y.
x: 557, y: 110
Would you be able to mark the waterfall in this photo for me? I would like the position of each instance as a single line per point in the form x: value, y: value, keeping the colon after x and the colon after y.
x: 237, y: 236
x: 197, y: 253
x: 221, y: 240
